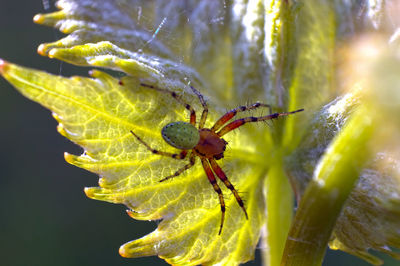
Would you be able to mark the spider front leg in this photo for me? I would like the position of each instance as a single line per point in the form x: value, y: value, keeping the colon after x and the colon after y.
x: 180, y: 155
x: 205, y: 107
x: 240, y: 122
x: 217, y: 189
x: 229, y: 115
x: 221, y: 175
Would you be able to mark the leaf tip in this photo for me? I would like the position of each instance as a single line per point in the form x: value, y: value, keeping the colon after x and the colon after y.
x: 38, y: 19
x: 74, y: 160
x: 3, y: 66
x: 50, y: 19
x: 98, y: 193
x: 61, y: 130
x: 139, y: 248
x: 131, y: 213
x: 89, y: 192
x: 123, y: 252
x: 42, y: 49
x: 69, y: 158
x: 52, y: 53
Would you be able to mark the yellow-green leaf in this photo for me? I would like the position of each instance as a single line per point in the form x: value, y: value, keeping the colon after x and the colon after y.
x: 98, y: 113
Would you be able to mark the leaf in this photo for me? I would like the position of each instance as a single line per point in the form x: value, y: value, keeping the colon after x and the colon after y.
x: 97, y: 113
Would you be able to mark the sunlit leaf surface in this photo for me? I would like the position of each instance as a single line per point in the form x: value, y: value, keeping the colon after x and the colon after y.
x: 98, y: 113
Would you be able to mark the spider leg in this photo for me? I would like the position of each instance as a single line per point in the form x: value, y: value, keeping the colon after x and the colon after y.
x: 180, y: 155
x: 177, y: 98
x: 205, y: 107
x: 229, y: 115
x: 221, y: 175
x: 217, y: 189
x: 240, y: 122
x: 181, y: 170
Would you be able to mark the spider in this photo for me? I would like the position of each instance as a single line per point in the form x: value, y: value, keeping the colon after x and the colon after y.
x: 205, y: 143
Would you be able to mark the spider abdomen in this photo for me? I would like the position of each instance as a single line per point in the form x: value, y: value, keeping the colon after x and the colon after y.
x: 210, y: 144
x: 181, y: 135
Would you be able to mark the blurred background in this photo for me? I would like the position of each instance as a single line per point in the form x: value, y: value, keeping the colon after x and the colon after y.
x: 45, y: 217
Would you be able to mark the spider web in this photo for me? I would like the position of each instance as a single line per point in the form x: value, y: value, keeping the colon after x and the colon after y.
x: 172, y: 23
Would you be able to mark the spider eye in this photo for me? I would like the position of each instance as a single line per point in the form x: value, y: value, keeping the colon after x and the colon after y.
x: 181, y: 135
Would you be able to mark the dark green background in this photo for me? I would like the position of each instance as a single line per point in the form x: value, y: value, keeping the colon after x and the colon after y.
x: 45, y: 217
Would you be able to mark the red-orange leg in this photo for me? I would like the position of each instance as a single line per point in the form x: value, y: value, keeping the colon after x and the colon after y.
x: 181, y: 170
x: 240, y: 122
x: 221, y: 175
x: 229, y: 115
x: 205, y: 107
x: 177, y: 98
x: 179, y: 156
x: 217, y: 189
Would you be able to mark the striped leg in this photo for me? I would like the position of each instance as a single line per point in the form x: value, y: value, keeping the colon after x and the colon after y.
x: 217, y: 189
x: 177, y: 98
x: 205, y: 107
x: 240, y: 122
x: 180, y: 155
x: 181, y: 170
x: 221, y: 175
x: 229, y: 115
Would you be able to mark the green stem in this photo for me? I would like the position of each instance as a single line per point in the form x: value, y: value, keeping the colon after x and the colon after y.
x: 279, y: 198
x: 322, y: 202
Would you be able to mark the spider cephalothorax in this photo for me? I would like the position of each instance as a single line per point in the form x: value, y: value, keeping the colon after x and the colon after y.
x: 205, y: 143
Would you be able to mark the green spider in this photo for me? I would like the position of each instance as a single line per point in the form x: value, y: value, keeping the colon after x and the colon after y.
x: 205, y: 143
